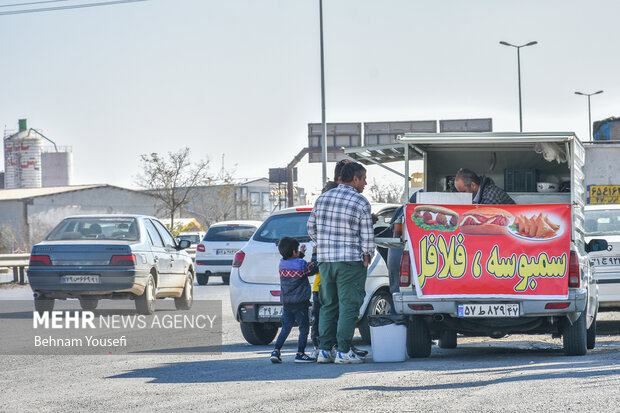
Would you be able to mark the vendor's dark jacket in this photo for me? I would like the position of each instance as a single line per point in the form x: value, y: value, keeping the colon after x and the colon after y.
x: 294, y: 283
x: 493, y: 194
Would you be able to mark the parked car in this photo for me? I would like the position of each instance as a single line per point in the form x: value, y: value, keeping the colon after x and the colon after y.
x: 603, y: 221
x: 255, y: 282
x: 214, y: 255
x: 95, y: 257
x: 194, y: 237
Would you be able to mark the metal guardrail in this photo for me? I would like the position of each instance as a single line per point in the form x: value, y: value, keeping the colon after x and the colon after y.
x: 18, y: 263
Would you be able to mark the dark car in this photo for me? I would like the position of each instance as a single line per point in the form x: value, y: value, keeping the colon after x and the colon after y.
x: 93, y: 257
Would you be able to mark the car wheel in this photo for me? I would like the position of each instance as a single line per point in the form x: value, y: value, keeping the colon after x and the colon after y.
x: 88, y: 304
x: 447, y: 339
x: 43, y: 304
x: 202, y: 279
x: 591, y: 335
x: 418, y: 339
x: 226, y: 279
x: 575, y: 337
x: 184, y: 302
x: 380, y: 303
x: 145, y: 303
x: 259, y: 334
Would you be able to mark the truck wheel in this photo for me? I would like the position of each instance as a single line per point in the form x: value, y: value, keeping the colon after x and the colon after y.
x: 591, y: 335
x: 258, y: 334
x: 418, y: 339
x: 226, y: 279
x: 145, y: 303
x: 43, y: 304
x: 88, y: 304
x: 202, y: 279
x: 380, y: 303
x: 575, y: 337
x: 184, y: 302
x: 447, y: 339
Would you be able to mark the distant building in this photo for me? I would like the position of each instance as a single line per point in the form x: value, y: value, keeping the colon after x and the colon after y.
x: 27, y: 215
x: 239, y: 199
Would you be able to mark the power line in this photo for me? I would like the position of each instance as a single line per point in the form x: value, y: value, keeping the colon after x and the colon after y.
x: 31, y: 3
x: 74, y: 6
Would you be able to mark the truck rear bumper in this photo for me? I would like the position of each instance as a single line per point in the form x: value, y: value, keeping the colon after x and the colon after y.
x: 403, y: 303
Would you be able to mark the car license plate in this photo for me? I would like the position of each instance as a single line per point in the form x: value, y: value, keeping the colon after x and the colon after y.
x: 80, y: 279
x: 269, y: 311
x: 225, y: 252
x: 596, y: 261
x: 488, y: 310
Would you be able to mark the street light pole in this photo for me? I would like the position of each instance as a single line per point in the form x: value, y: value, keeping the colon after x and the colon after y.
x: 589, y: 109
x: 519, y: 74
x: 323, y: 125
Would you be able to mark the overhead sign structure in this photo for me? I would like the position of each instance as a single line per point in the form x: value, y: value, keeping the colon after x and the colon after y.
x: 503, y: 251
x: 380, y: 133
x: 466, y: 125
x: 339, y: 135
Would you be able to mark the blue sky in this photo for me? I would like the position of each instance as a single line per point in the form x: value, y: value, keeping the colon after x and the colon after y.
x: 242, y: 77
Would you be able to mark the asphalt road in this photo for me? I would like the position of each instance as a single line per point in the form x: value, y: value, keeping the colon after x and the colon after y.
x: 513, y: 374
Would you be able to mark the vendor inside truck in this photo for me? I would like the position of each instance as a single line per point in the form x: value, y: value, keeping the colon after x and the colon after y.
x: 483, y: 190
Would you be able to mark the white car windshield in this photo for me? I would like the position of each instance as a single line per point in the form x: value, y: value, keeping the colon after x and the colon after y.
x: 602, y: 222
x: 286, y: 225
x: 231, y: 232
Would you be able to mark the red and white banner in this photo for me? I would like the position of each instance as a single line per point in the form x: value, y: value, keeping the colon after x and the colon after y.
x: 503, y: 251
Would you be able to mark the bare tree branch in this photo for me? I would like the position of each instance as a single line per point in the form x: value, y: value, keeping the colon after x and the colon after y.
x: 171, y: 180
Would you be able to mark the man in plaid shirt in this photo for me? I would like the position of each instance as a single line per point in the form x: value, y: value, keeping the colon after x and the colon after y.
x: 341, y: 226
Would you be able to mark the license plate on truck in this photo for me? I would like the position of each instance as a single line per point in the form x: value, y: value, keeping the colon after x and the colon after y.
x: 269, y: 311
x: 79, y: 279
x: 488, y: 310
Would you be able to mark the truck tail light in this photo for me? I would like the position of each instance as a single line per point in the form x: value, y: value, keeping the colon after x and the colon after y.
x: 574, y: 276
x: 200, y: 248
x: 421, y: 307
x: 39, y: 260
x: 556, y: 306
x: 238, y: 260
x: 123, y: 260
x: 404, y: 280
x: 275, y: 293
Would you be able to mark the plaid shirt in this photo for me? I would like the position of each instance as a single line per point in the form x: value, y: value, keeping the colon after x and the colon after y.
x: 341, y: 225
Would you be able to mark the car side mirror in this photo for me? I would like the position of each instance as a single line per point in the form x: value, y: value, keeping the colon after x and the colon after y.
x: 184, y: 243
x: 598, y: 244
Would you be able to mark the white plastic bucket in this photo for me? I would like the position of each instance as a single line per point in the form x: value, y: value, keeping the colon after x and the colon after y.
x: 389, y: 343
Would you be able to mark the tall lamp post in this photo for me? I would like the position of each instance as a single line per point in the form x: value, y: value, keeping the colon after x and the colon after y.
x: 589, y: 109
x: 323, y: 124
x: 519, y: 70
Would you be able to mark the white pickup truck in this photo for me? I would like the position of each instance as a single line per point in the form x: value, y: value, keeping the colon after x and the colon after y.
x: 532, y: 277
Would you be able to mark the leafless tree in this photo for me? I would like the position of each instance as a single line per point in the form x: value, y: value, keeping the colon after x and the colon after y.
x: 217, y: 201
x: 390, y: 192
x: 171, y: 179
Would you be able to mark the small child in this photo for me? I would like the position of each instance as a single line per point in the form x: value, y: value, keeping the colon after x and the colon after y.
x: 295, y: 296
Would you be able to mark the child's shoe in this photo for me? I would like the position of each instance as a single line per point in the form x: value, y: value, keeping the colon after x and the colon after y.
x: 325, y: 356
x: 275, y: 357
x: 348, y: 358
x: 304, y: 358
